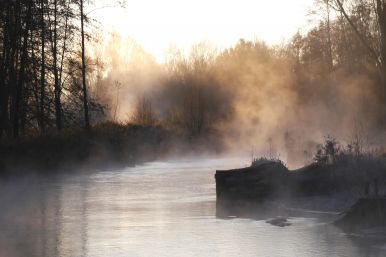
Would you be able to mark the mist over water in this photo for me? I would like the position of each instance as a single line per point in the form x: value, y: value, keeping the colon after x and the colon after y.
x: 72, y: 97
x: 272, y: 99
x: 156, y: 209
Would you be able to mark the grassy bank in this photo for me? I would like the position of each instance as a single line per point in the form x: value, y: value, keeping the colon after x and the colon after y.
x: 104, y: 145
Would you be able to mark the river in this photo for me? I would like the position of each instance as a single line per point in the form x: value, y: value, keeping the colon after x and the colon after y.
x: 156, y: 209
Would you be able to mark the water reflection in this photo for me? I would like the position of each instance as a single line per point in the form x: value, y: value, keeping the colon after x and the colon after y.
x: 159, y: 209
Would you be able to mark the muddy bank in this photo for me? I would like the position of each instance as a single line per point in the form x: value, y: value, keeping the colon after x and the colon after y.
x: 323, y: 188
x: 366, y: 213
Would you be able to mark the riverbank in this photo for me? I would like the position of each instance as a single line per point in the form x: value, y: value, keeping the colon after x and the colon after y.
x: 366, y: 213
x: 170, y: 203
x: 105, y: 145
x: 316, y: 189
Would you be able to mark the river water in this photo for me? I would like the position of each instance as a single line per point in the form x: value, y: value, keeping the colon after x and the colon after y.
x: 156, y: 209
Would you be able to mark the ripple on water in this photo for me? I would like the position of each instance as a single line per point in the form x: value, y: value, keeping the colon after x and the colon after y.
x: 157, y: 209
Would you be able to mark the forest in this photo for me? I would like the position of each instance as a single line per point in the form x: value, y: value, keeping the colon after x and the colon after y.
x: 62, y: 86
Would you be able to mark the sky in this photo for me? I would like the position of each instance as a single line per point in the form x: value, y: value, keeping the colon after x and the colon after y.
x: 157, y: 25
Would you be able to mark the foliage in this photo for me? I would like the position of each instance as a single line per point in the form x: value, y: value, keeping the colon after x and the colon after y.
x: 328, y: 152
x: 41, y: 66
x: 263, y: 160
x: 143, y: 113
x: 106, y: 144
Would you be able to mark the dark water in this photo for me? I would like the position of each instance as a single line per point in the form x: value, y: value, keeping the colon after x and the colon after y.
x: 158, y: 209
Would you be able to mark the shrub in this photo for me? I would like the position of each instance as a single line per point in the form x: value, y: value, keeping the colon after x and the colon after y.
x: 328, y: 152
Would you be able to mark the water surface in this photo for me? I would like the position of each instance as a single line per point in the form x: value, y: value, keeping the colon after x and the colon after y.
x: 156, y: 209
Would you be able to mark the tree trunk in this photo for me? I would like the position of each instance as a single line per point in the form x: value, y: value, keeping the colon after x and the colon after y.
x: 381, y: 13
x: 19, y: 87
x: 13, y: 49
x: 330, y: 58
x: 42, y: 70
x: 3, y: 68
x: 379, y: 57
x: 58, y: 91
x: 85, y: 101
x: 64, y: 43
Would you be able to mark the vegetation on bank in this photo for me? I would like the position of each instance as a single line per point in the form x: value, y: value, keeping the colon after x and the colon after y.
x: 354, y: 158
x: 48, y: 81
x: 51, y: 87
x: 335, y: 179
x: 337, y: 168
x: 102, y: 145
x: 105, y: 145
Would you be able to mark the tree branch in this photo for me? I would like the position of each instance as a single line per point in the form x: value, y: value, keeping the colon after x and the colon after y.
x: 359, y: 35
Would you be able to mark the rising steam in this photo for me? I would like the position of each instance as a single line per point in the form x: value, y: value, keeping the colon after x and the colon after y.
x: 252, y: 95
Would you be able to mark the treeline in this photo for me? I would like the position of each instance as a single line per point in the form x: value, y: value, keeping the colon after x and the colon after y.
x: 324, y: 78
x: 43, y: 66
x: 322, y: 81
x: 347, y: 48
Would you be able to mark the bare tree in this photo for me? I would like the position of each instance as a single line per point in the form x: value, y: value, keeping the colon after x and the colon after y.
x: 117, y: 85
x: 84, y: 86
x: 19, y: 87
x: 379, y: 56
x: 43, y: 66
x: 143, y: 112
x: 324, y: 9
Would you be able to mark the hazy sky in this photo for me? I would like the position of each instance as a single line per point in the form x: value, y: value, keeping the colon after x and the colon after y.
x: 157, y: 24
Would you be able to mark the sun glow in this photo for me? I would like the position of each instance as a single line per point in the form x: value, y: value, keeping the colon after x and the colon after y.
x: 158, y: 24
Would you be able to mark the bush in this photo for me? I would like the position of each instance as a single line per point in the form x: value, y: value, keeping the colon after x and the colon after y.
x: 328, y: 152
x: 263, y: 160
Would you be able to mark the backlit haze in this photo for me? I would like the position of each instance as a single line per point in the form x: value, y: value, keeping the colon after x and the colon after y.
x: 157, y: 25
